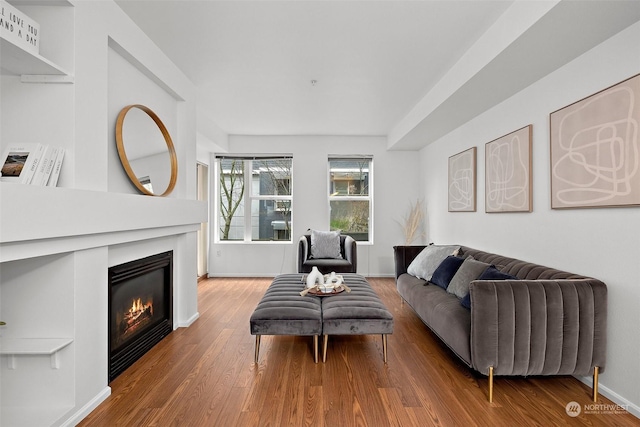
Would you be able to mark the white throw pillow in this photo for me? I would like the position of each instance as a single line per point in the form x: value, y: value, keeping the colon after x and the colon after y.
x: 325, y: 244
x: 429, y: 259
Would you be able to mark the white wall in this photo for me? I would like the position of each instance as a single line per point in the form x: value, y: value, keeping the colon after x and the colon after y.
x: 395, y: 184
x: 602, y: 243
x: 141, y: 136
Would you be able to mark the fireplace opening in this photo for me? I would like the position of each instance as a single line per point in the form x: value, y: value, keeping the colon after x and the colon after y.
x: 140, y: 308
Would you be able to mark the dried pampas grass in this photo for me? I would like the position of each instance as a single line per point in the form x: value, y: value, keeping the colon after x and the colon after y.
x: 412, y: 223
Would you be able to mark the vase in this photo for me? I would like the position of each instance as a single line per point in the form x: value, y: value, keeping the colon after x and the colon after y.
x: 333, y: 279
x: 314, y: 278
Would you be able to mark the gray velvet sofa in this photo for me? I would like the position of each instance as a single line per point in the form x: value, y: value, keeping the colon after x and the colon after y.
x: 549, y: 322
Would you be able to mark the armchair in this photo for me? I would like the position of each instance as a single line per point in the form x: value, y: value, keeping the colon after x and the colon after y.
x: 348, y: 263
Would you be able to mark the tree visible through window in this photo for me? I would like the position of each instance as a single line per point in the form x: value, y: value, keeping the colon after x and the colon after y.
x: 231, y: 193
x: 350, y: 196
x: 264, y: 186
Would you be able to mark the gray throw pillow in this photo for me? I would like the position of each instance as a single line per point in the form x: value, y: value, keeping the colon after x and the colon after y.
x: 429, y: 259
x: 325, y: 244
x: 469, y: 271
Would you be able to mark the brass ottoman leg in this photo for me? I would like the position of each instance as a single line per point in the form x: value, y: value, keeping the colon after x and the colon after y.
x: 384, y: 348
x: 315, y: 349
x: 324, y: 348
x: 257, y: 348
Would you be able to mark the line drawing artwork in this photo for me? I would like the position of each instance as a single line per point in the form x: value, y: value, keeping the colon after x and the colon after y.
x: 596, y: 150
x: 508, y: 172
x: 462, y: 181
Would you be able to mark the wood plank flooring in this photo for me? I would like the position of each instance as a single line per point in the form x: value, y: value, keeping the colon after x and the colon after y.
x: 204, y: 375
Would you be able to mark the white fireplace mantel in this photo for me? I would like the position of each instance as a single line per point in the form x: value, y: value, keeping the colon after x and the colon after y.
x: 39, y: 221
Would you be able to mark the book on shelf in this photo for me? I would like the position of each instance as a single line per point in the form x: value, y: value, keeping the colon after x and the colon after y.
x: 57, y: 165
x: 45, y: 166
x: 31, y: 164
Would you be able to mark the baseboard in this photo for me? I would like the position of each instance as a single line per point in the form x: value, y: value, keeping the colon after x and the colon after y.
x: 86, y: 409
x: 611, y: 395
x: 189, y: 321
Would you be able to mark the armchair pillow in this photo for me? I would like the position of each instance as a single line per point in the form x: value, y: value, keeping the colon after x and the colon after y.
x: 325, y: 244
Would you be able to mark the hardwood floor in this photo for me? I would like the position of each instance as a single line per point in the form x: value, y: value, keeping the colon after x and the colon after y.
x: 204, y: 375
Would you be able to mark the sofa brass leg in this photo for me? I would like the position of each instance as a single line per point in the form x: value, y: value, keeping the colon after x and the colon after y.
x: 255, y: 359
x: 595, y: 383
x: 324, y: 348
x: 384, y: 348
x: 490, y: 384
x: 315, y: 349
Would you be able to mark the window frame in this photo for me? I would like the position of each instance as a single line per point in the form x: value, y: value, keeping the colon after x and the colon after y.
x: 355, y: 197
x: 249, y: 197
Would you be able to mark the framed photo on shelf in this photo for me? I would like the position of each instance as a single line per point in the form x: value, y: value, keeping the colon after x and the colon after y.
x: 508, y: 172
x: 595, y: 149
x: 462, y: 181
x: 15, y: 161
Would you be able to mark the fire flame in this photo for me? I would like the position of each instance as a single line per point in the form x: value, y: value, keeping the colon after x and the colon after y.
x: 137, y: 306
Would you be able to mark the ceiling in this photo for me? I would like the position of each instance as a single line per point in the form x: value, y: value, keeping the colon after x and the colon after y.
x: 253, y: 62
x: 354, y: 67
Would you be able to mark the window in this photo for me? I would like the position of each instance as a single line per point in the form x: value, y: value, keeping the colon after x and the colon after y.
x: 264, y: 185
x: 350, y: 196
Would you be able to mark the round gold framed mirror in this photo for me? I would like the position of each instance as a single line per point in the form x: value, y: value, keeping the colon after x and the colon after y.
x: 149, y: 158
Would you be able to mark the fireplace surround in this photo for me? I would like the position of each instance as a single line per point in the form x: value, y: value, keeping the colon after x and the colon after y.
x: 140, y: 308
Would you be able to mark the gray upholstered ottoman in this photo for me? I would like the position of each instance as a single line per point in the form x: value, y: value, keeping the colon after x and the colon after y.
x: 359, y: 312
x: 282, y: 311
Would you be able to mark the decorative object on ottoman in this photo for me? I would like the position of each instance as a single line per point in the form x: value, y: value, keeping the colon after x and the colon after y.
x: 330, y: 284
x: 333, y: 279
x: 314, y: 278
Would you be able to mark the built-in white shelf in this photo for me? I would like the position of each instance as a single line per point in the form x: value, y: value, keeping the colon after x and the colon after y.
x: 18, y: 61
x: 24, y: 346
x: 13, y: 347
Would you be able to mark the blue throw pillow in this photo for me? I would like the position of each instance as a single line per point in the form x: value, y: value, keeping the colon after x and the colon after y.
x: 492, y: 273
x: 466, y: 301
x: 446, y: 270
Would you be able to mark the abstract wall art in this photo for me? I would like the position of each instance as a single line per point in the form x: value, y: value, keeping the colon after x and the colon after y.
x: 462, y: 181
x: 508, y: 172
x: 595, y: 149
